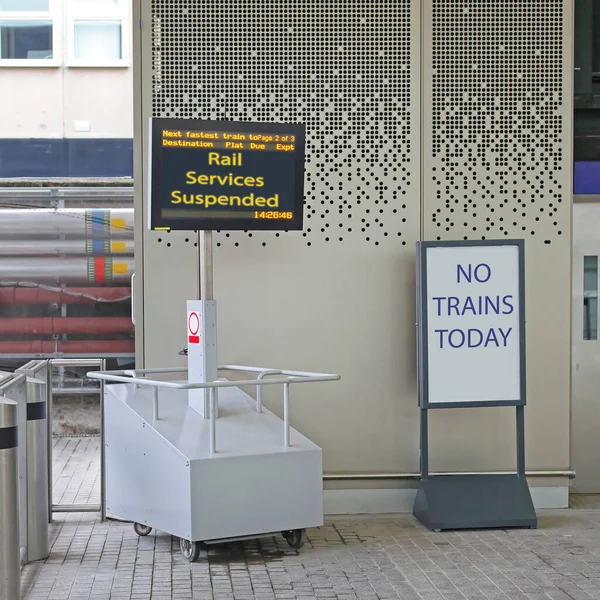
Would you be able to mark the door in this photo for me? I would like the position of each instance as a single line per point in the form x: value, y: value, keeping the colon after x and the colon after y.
x: 585, y: 419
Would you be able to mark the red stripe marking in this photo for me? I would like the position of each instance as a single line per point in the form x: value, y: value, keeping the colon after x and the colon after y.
x: 99, y: 269
x: 194, y: 339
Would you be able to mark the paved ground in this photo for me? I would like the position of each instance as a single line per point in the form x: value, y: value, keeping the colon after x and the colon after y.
x: 76, y: 470
x: 353, y: 558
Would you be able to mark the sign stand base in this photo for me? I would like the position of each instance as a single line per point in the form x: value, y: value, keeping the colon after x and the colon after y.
x: 474, y: 502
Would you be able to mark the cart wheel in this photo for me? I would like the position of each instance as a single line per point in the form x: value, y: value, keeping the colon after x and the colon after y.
x: 295, y: 538
x: 190, y: 550
x: 142, y: 529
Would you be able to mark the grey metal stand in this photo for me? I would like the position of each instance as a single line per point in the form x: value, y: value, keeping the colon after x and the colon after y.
x: 474, y: 501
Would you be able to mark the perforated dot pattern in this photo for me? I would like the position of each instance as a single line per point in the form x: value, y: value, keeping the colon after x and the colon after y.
x: 495, y: 164
x: 342, y: 68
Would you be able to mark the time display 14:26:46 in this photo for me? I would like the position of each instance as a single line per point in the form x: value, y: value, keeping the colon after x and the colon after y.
x: 272, y: 214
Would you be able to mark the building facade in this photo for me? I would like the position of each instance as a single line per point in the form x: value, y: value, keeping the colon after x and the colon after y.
x: 65, y: 71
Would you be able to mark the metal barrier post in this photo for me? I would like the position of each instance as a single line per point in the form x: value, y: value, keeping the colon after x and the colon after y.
x: 102, y: 448
x: 37, y: 472
x: 49, y: 384
x: 10, y: 567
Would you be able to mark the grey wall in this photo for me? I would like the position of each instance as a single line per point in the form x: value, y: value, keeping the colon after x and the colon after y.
x: 425, y: 120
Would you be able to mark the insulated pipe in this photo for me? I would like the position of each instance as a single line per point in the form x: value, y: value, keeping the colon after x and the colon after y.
x: 41, y: 295
x: 10, y: 559
x: 71, y: 325
x: 37, y: 471
x: 70, y: 347
x: 36, y: 247
x: 99, y: 271
x: 35, y: 223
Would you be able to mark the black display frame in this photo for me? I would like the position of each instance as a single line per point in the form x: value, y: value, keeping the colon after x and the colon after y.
x: 158, y: 222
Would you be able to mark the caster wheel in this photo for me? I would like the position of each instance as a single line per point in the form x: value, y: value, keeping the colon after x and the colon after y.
x: 190, y: 550
x: 141, y: 530
x: 437, y: 530
x: 295, y: 538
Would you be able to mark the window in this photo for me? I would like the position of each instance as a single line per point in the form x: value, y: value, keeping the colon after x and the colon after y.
x: 590, y: 297
x: 28, y: 33
x: 98, y: 33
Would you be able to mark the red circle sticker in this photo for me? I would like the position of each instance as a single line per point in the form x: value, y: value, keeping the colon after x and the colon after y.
x: 193, y: 323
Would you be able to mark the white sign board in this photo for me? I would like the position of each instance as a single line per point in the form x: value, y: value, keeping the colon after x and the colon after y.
x: 471, y: 324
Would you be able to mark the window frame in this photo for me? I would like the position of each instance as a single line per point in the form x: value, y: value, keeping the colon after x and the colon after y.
x: 53, y: 15
x: 120, y: 14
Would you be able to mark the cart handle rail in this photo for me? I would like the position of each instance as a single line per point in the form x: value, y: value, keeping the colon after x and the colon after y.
x: 284, y: 377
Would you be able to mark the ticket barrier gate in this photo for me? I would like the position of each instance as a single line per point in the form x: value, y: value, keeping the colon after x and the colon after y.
x: 23, y: 476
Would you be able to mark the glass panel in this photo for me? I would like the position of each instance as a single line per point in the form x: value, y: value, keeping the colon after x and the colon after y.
x: 96, y: 6
x: 26, y: 39
x: 97, y: 41
x: 590, y: 297
x: 24, y: 5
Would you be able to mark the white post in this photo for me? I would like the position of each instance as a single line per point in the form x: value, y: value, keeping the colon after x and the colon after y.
x: 286, y: 414
x: 213, y: 441
x: 202, y: 329
x: 155, y: 404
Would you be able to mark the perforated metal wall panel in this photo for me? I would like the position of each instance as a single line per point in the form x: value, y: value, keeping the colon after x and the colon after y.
x: 497, y: 103
x: 497, y: 116
x: 342, y: 68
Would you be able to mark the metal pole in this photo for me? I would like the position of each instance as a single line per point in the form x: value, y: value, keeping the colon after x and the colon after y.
x: 213, y: 443
x: 521, y: 441
x: 155, y: 404
x: 424, y: 444
x: 205, y: 248
x: 102, y: 447
x: 49, y: 386
x: 37, y: 471
x: 286, y: 414
x: 205, y: 275
x: 10, y: 567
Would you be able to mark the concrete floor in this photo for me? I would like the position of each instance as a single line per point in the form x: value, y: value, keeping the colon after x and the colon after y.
x: 350, y: 558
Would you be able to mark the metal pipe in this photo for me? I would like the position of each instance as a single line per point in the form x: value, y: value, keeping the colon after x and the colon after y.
x: 49, y: 392
x: 138, y: 372
x: 205, y: 250
x: 73, y: 222
x: 99, y: 270
x: 76, y: 362
x: 37, y: 471
x: 70, y: 347
x: 155, y: 404
x: 67, y: 508
x: 118, y: 376
x: 10, y: 554
x: 51, y: 195
x: 284, y: 371
x: 259, y: 388
x: 37, y: 294
x: 400, y: 476
x: 82, y: 247
x: 67, y: 325
x: 286, y: 415
x: 213, y: 433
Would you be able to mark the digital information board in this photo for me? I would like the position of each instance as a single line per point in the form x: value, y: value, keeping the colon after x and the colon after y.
x: 471, y: 323
x: 207, y: 175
